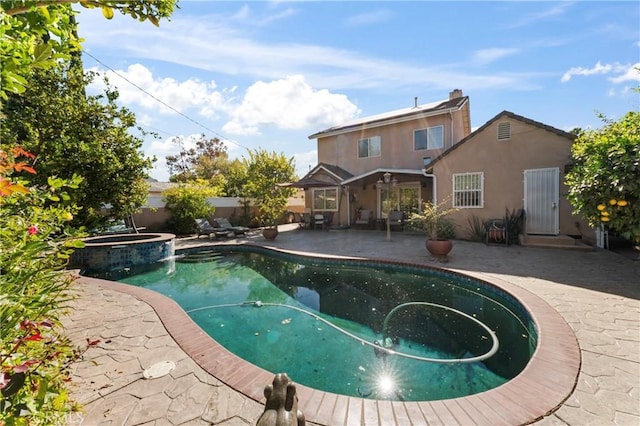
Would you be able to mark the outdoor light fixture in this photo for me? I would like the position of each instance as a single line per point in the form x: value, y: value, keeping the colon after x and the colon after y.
x: 389, y: 182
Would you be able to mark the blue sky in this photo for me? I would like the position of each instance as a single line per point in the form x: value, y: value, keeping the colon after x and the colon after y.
x: 269, y: 74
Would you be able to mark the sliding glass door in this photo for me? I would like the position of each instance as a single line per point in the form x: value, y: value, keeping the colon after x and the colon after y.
x: 405, y: 198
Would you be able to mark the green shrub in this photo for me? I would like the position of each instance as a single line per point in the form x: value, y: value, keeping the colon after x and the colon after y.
x: 188, y: 202
x: 477, y: 229
x: 514, y: 220
x: 36, y: 242
x: 433, y: 220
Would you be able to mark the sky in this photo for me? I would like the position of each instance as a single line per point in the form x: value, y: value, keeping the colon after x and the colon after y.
x: 268, y: 74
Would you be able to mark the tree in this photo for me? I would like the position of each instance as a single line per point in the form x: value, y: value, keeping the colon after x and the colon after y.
x: 236, y: 177
x: 74, y: 134
x: 605, y: 180
x: 203, y: 161
x: 264, y: 172
x: 37, y: 34
x: 188, y: 202
x: 35, y: 239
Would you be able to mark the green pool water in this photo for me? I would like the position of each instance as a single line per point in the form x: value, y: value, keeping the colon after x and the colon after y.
x: 287, y: 332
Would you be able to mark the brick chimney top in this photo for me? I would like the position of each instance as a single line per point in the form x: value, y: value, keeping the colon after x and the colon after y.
x: 455, y: 93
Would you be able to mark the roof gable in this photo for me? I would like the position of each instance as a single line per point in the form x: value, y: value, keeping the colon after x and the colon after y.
x: 336, y: 172
x: 502, y: 114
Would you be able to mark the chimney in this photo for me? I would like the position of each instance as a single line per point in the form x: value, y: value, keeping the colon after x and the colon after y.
x: 455, y: 93
x: 415, y: 102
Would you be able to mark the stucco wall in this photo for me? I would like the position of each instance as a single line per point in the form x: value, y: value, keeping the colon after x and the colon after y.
x: 154, y: 215
x: 503, y: 164
x: 396, y: 142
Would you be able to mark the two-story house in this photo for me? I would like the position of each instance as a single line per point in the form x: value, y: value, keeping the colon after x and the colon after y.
x: 354, y: 156
x: 429, y: 153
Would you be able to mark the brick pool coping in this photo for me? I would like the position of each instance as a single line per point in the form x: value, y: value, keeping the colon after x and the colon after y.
x: 545, y: 383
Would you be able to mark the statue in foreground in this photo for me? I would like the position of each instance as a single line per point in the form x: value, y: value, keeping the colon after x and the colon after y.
x: 281, y: 408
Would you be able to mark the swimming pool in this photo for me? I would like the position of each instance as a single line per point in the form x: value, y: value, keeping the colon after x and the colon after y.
x: 356, y: 296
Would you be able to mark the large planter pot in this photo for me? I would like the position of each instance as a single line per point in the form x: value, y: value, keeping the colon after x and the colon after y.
x: 270, y: 233
x: 439, y: 248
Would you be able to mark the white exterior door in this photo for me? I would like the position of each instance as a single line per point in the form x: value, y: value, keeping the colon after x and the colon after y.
x: 541, y: 197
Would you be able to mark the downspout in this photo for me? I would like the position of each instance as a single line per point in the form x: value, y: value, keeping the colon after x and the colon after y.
x: 348, y: 206
x: 434, y: 188
x: 451, y: 117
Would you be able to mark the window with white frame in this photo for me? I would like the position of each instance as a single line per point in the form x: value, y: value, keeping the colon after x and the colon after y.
x: 429, y: 138
x: 468, y: 191
x: 369, y: 147
x: 325, y: 199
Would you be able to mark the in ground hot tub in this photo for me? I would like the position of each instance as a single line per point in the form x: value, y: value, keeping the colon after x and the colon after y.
x: 114, y: 252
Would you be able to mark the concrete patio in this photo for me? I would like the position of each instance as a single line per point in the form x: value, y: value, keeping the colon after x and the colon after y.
x: 596, y: 292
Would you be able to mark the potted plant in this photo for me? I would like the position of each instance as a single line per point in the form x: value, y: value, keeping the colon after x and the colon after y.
x: 271, y: 209
x: 440, y: 230
x: 265, y: 172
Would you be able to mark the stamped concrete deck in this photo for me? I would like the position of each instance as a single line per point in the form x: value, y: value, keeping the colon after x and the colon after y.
x: 597, y: 294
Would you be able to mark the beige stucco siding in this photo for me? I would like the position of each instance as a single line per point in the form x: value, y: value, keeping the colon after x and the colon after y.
x: 503, y: 164
x: 397, y: 145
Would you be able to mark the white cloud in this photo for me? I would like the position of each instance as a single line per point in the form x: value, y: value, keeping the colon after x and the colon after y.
x: 627, y: 72
x: 369, y: 18
x: 597, y: 69
x: 220, y: 44
x: 163, y: 147
x: 245, y: 14
x: 632, y: 73
x: 552, y: 12
x: 289, y: 103
x: 144, y: 119
x: 305, y: 161
x: 137, y: 86
x: 486, y: 56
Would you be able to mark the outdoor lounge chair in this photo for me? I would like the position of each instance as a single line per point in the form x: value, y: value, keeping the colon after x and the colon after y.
x: 205, y: 228
x: 223, y: 222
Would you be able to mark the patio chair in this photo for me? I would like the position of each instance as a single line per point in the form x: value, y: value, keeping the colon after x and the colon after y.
x: 396, y: 219
x: 328, y: 219
x: 318, y: 221
x: 365, y: 219
x: 306, y: 221
x: 223, y: 222
x: 205, y: 228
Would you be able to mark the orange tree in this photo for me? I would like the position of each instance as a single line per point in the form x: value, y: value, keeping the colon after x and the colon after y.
x: 37, y: 33
x: 604, y: 184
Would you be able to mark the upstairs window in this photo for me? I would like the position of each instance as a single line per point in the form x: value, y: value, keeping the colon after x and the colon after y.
x: 504, y: 130
x: 429, y: 138
x: 369, y: 147
x: 468, y: 190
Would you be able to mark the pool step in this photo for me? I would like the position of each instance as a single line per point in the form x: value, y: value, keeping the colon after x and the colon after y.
x: 201, y: 256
